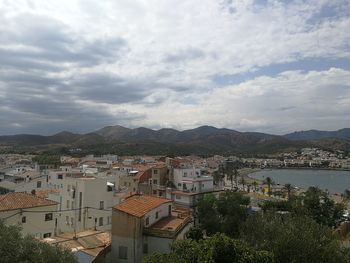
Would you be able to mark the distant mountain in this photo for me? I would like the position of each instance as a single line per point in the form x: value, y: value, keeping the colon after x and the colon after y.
x: 316, y: 135
x: 201, y: 140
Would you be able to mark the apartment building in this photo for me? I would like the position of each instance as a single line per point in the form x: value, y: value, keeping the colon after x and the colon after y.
x: 85, y: 201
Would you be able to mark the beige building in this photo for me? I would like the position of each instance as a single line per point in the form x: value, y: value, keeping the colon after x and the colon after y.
x: 143, y: 225
x: 36, y: 216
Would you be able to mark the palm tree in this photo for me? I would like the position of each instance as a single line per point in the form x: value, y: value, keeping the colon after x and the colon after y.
x: 236, y: 173
x: 243, y: 181
x: 229, y: 174
x: 288, y: 188
x: 255, y: 184
x: 269, y: 182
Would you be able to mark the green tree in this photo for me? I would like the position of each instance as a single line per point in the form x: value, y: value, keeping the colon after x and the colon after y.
x: 269, y: 182
x: 16, y: 248
x: 295, y: 239
x: 218, y: 248
x: 288, y: 188
x: 195, y: 233
x: 314, y: 203
x: 317, y: 204
x: 223, y: 214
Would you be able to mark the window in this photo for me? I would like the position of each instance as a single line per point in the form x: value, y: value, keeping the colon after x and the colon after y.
x: 68, y: 204
x: 155, y: 171
x: 46, y: 235
x: 67, y: 220
x: 155, y: 181
x: 123, y: 252
x: 68, y: 188
x: 60, y: 176
x: 147, y: 221
x: 100, y: 221
x: 48, y: 217
x: 102, y: 205
x: 145, y: 248
x: 177, y: 196
x: 179, y: 184
x: 72, y: 205
x: 24, y: 219
x: 109, y: 220
x: 38, y: 184
x: 185, y: 174
x: 157, y: 215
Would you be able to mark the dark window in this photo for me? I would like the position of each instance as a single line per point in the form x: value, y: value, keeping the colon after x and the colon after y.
x: 145, y: 248
x: 60, y: 176
x: 48, y: 217
x: 24, y: 219
x: 46, y: 235
x: 38, y: 184
x: 123, y: 252
x: 102, y: 205
x: 155, y: 181
x: 155, y: 171
x: 157, y: 215
x: 147, y: 221
x: 100, y: 221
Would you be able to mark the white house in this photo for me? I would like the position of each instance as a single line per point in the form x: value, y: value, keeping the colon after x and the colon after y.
x: 143, y: 225
x: 36, y: 216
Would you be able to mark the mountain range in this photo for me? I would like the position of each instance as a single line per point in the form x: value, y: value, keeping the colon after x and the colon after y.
x: 201, y: 140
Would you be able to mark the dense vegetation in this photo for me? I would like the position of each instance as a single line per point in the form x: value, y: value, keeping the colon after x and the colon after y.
x: 218, y: 248
x: 16, y: 248
x: 227, y: 233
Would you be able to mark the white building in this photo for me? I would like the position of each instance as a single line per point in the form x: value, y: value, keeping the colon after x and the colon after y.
x: 36, y: 216
x: 85, y: 202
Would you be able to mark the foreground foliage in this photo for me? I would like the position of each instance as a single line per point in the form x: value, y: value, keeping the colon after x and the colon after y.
x: 314, y: 203
x: 224, y: 214
x: 218, y: 248
x: 16, y: 248
x: 293, y: 239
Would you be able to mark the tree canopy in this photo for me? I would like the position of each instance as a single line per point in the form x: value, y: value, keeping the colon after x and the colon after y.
x: 223, y: 214
x: 16, y: 248
x: 218, y: 248
x: 314, y: 203
x: 293, y: 238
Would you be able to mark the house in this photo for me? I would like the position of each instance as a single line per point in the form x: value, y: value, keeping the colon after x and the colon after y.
x: 36, y: 216
x: 156, y: 181
x: 143, y: 225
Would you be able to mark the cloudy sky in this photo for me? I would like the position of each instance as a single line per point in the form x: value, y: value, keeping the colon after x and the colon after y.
x: 263, y: 65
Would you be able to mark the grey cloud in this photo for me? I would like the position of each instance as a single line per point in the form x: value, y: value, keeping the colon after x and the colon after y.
x: 47, y: 44
x: 184, y: 55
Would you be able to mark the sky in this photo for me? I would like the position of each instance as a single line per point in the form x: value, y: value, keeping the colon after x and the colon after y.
x: 255, y: 65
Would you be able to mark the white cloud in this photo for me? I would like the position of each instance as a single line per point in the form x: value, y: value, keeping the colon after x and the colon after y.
x: 167, y: 52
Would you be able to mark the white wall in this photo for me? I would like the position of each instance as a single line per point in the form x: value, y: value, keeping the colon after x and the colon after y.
x: 35, y: 220
x: 163, y: 211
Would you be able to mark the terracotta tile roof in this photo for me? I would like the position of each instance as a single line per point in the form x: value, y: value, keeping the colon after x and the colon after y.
x: 12, y: 201
x: 139, y: 205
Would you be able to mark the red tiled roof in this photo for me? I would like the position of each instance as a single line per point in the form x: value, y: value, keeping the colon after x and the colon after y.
x: 139, y: 205
x: 12, y: 201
